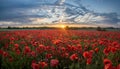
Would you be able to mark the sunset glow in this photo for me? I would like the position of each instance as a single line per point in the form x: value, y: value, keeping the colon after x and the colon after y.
x: 62, y: 26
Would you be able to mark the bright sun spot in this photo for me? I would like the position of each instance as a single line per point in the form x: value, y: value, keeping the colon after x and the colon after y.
x: 62, y: 26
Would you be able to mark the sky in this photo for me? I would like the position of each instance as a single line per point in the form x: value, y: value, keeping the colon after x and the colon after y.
x: 93, y: 13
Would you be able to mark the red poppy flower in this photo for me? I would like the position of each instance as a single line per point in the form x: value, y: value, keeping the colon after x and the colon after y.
x: 54, y: 62
x: 27, y: 50
x: 48, y: 56
x: 108, y: 66
x: 43, y: 64
x: 107, y: 61
x: 33, y: 53
x: 1, y: 52
x: 65, y: 55
x: 89, y: 60
x: 74, y: 57
x: 118, y: 66
x: 96, y: 50
x: 5, y: 54
x: 35, y: 66
x: 113, y: 50
x: 57, y: 42
x: 16, y: 46
x: 106, y: 51
x: 87, y: 54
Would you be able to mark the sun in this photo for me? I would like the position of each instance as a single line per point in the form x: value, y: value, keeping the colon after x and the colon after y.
x: 62, y: 26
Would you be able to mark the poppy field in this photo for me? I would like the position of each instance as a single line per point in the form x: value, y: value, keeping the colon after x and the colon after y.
x: 59, y: 49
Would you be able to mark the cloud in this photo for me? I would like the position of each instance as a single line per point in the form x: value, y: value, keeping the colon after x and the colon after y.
x: 111, y: 18
x: 22, y: 12
x: 61, y: 2
x: 10, y: 23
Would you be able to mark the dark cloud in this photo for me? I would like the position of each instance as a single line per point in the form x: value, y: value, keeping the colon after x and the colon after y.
x: 111, y: 17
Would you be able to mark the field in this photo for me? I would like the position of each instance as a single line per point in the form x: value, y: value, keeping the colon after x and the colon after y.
x: 59, y: 49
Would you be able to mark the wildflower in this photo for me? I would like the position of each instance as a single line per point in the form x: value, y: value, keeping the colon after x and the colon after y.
x: 33, y: 53
x: 96, y: 50
x: 108, y: 66
x: 118, y: 66
x: 65, y: 55
x: 5, y: 54
x: 54, y: 62
x: 57, y: 42
x: 16, y: 46
x: 107, y: 61
x: 86, y: 54
x: 40, y: 48
x: 43, y: 64
x: 113, y: 50
x: 1, y: 52
x: 89, y: 60
x: 106, y: 51
x: 48, y: 56
x: 27, y: 50
x: 74, y: 57
x: 35, y: 66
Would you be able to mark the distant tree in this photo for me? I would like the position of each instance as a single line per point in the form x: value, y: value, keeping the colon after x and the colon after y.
x: 99, y: 29
x: 110, y: 28
x: 67, y: 27
x: 8, y: 27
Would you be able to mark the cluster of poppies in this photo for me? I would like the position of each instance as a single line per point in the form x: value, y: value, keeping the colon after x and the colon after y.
x: 59, y: 49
